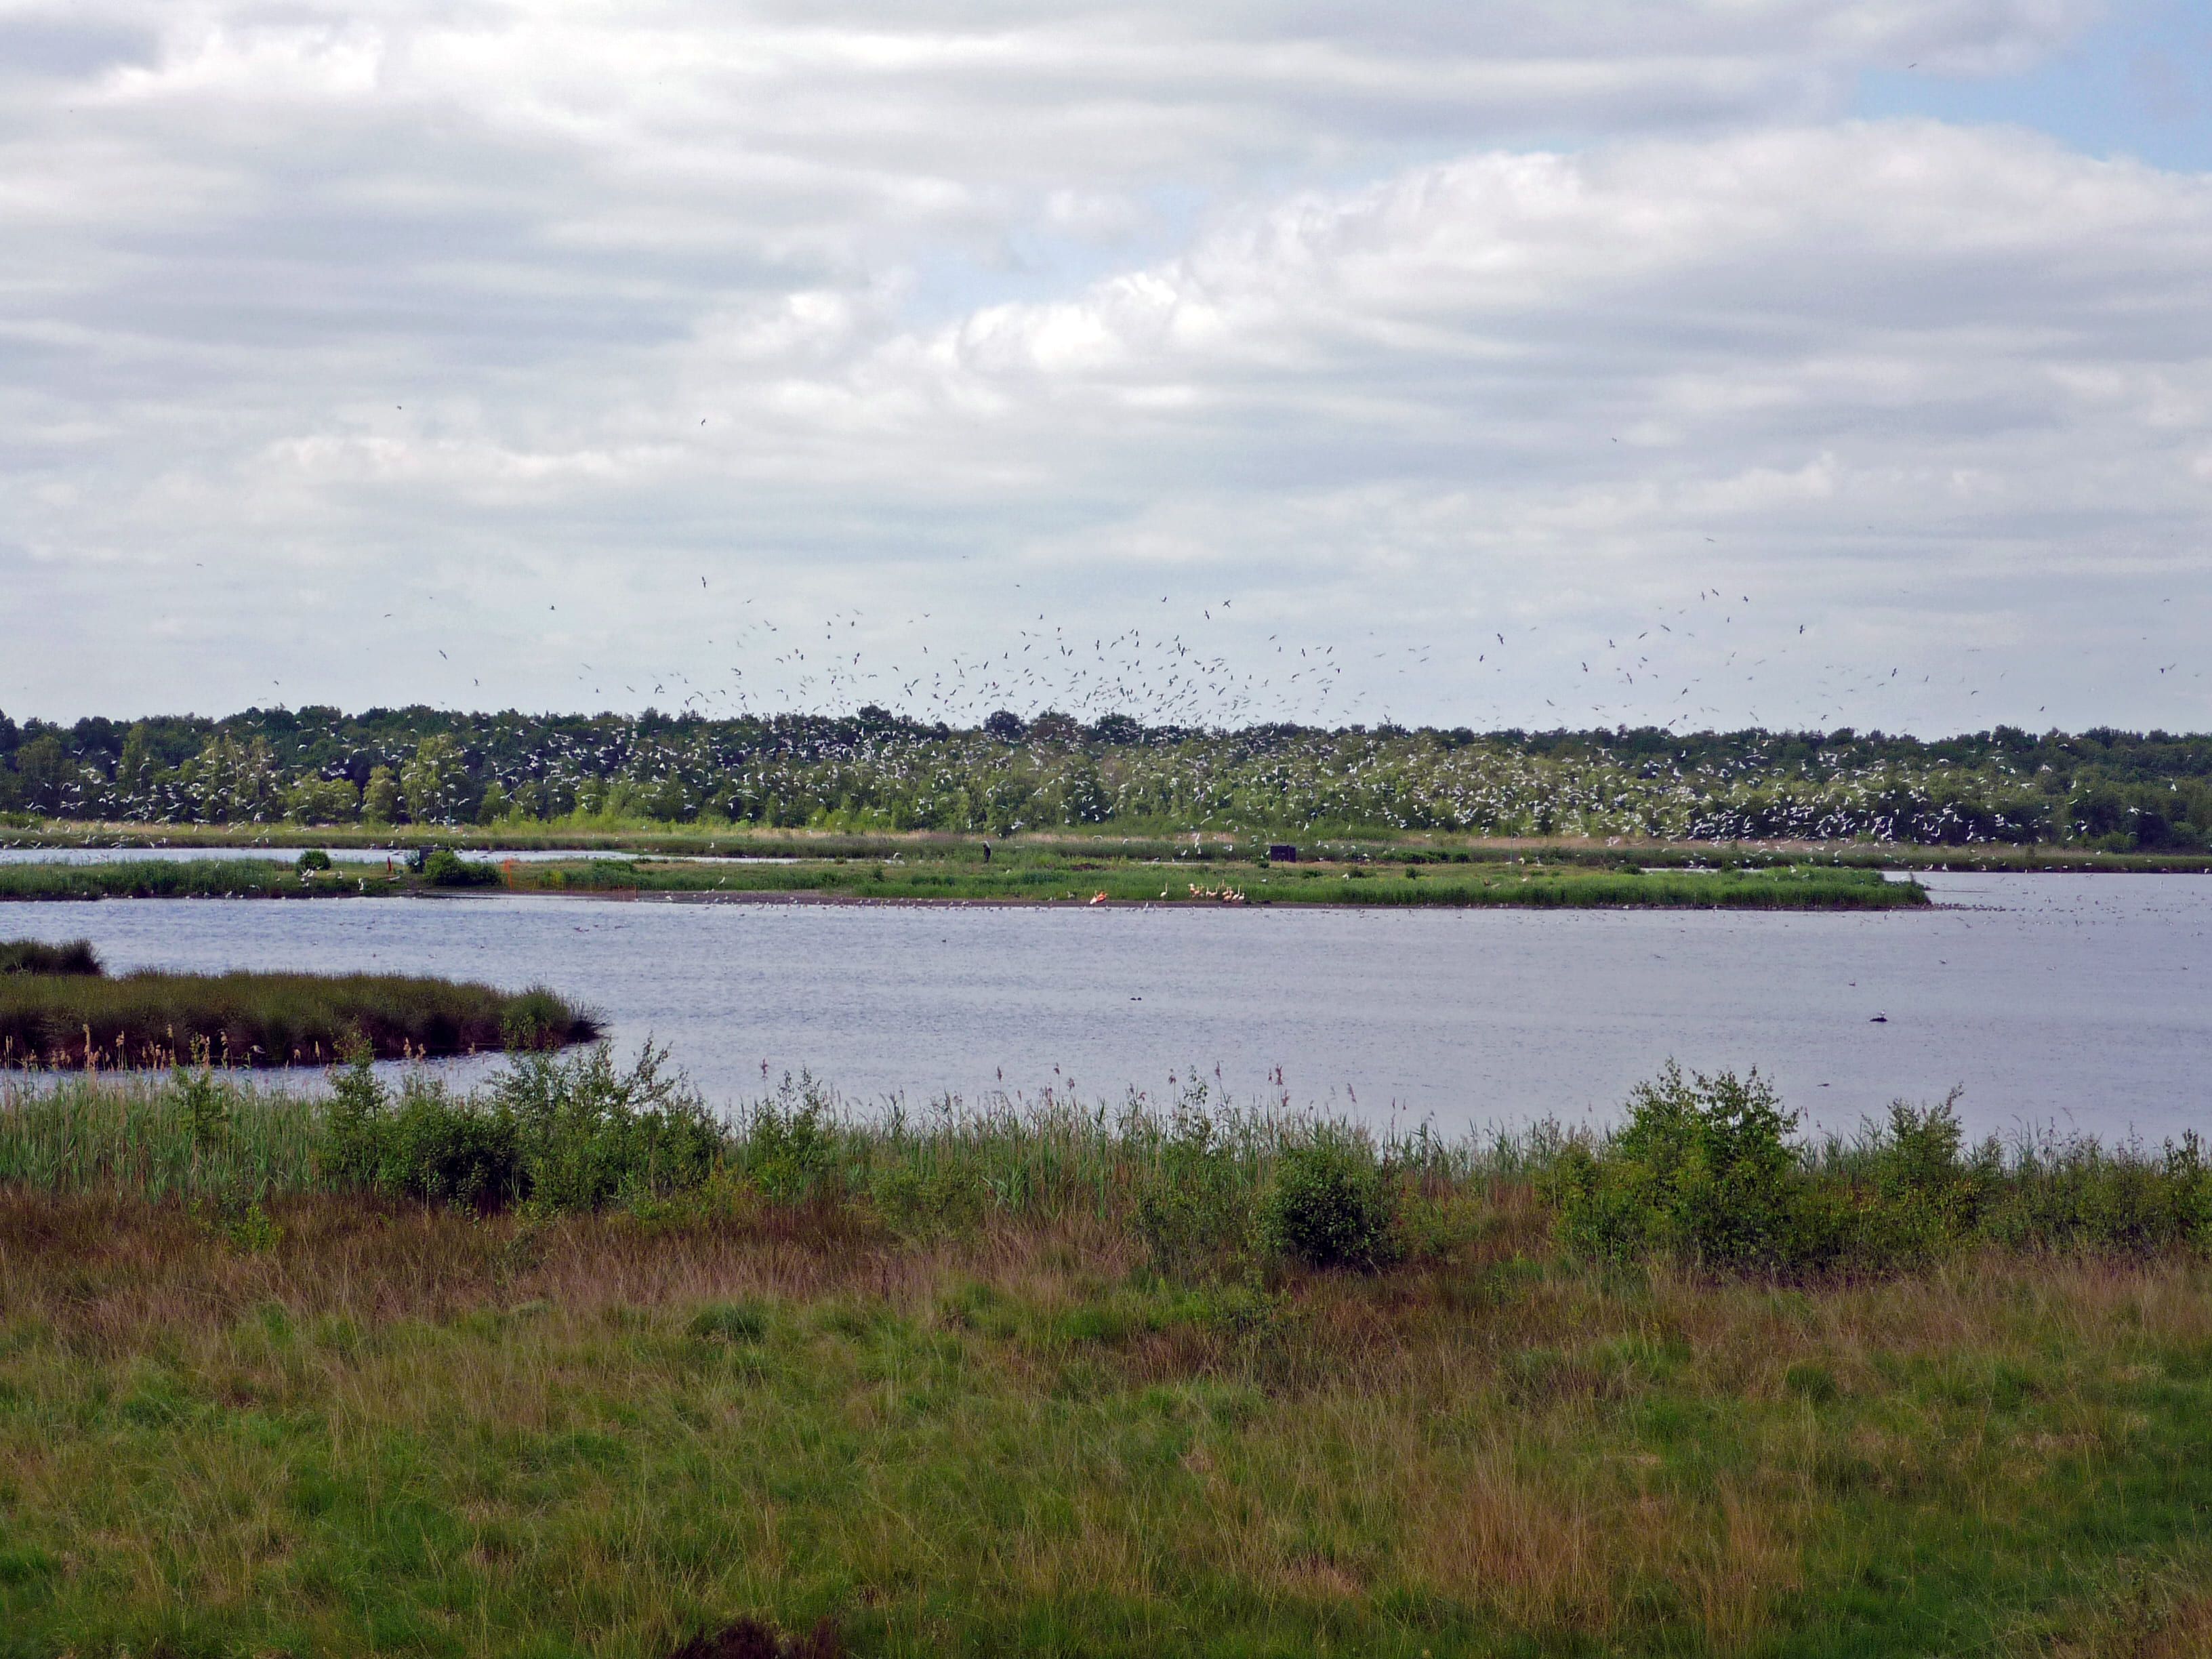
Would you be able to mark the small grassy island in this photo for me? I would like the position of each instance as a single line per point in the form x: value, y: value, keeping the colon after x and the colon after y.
x: 58, y: 1007
x: 568, y: 1364
x: 968, y: 871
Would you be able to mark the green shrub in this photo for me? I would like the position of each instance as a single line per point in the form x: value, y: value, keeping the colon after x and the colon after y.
x: 446, y: 868
x: 1332, y: 1204
x: 587, y: 1134
x: 425, y: 1144
x: 313, y: 859
x: 560, y: 1134
x: 1703, y: 1171
x: 1926, y: 1195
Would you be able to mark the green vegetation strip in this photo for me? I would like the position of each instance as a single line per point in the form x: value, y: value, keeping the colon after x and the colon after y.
x: 1802, y: 887
x: 1052, y: 1380
x: 1096, y: 844
x: 1035, y: 877
x: 192, y: 879
x: 77, y: 1018
x: 300, y: 878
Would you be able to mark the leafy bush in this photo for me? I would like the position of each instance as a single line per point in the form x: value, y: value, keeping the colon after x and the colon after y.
x: 446, y: 868
x: 313, y: 859
x: 425, y: 1144
x: 559, y: 1134
x: 1332, y: 1204
x: 1926, y: 1195
x: 588, y: 1134
x: 1703, y: 1171
x: 31, y: 956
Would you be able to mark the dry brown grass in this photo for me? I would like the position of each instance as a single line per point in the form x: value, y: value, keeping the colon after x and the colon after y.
x: 929, y: 1443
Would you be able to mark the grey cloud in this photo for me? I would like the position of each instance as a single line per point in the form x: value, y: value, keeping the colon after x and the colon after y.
x: 311, y: 314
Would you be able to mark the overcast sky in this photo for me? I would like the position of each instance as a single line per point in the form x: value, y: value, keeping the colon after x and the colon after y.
x: 1553, y: 361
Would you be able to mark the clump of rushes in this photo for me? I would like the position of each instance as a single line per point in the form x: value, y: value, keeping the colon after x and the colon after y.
x: 159, y: 1019
x: 30, y: 956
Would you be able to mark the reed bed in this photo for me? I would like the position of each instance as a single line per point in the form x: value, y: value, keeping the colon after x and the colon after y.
x: 1187, y: 1177
x: 30, y: 956
x: 159, y: 1020
x: 196, y: 1134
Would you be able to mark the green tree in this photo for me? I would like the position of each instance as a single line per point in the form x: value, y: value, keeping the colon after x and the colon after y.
x: 435, y: 781
x: 380, y: 802
x: 42, y: 764
x: 322, y: 800
x: 234, y: 782
x: 136, y: 771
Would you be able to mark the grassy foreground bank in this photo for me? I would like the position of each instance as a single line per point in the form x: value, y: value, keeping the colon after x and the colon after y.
x: 1044, y: 1380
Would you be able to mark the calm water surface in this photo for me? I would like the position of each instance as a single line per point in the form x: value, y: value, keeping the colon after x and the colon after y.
x: 2081, y: 1002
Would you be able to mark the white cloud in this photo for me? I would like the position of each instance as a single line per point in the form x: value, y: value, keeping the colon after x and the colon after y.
x: 1414, y: 320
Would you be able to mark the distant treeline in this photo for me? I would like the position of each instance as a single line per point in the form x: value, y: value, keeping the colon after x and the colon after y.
x: 2101, y: 788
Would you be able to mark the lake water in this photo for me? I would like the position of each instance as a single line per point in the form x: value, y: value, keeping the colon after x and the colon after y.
x: 2080, y: 1002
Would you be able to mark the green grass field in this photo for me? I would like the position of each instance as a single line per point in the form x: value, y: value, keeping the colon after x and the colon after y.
x: 1031, y: 1380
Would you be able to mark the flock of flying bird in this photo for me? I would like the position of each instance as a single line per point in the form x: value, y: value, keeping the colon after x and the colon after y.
x: 1696, y: 664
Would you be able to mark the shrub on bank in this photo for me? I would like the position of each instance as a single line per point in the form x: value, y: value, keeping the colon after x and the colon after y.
x: 445, y: 868
x: 1705, y: 1173
x: 1332, y: 1204
x: 565, y: 1134
x: 1702, y: 1172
